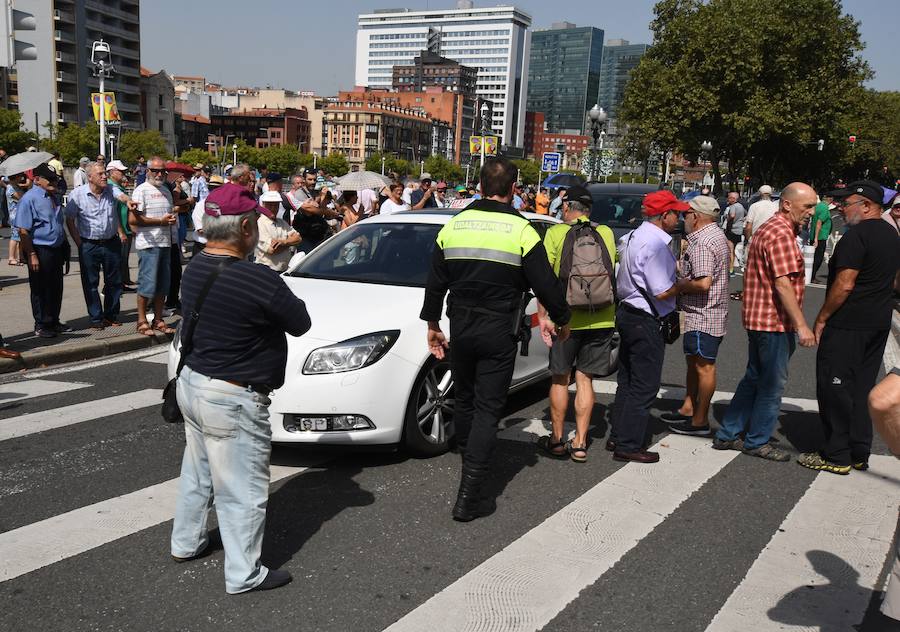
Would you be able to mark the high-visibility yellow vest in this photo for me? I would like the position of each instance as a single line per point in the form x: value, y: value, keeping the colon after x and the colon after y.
x: 487, y: 236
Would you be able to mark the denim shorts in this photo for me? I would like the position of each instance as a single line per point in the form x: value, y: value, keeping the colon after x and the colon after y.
x: 154, y: 272
x: 697, y: 343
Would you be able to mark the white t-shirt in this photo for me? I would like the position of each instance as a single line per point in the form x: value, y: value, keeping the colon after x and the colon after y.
x: 389, y: 206
x: 153, y: 202
x: 197, y: 218
x: 760, y: 212
x: 406, y: 196
x: 269, y: 230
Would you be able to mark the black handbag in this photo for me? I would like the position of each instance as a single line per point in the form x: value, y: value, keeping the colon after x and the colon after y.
x: 170, y: 410
x: 670, y: 324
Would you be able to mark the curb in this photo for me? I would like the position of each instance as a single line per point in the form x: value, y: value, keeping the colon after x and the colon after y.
x: 76, y: 351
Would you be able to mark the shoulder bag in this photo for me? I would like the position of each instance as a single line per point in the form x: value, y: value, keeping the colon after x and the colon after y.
x: 170, y: 410
x: 670, y: 324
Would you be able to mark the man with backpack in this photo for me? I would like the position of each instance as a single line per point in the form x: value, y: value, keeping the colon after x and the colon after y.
x: 583, y: 256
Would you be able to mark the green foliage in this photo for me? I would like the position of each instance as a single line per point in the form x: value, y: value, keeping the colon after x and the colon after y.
x: 876, y: 125
x: 762, y: 97
x: 391, y: 163
x: 72, y: 142
x: 194, y: 156
x: 283, y: 159
x: 442, y: 169
x: 528, y: 171
x: 335, y: 164
x: 12, y: 138
x: 147, y: 143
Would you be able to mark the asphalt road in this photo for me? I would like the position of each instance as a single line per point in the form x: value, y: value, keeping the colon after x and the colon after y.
x: 693, y: 543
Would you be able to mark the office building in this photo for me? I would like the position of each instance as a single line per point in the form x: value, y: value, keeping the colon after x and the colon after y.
x: 564, y: 75
x: 56, y: 87
x: 619, y: 58
x: 494, y: 40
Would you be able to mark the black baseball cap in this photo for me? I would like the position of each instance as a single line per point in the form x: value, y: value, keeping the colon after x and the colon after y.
x: 867, y: 188
x: 579, y: 194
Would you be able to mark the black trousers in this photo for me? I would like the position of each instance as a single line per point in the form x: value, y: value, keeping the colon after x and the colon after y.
x: 641, y: 354
x: 818, y: 257
x: 173, y: 300
x: 482, y: 358
x: 847, y: 365
x: 47, y: 286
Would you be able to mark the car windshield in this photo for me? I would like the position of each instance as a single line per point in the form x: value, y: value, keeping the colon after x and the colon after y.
x: 371, y: 252
x: 617, y: 209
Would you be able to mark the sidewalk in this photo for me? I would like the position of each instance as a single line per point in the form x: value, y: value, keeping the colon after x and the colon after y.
x: 82, y: 343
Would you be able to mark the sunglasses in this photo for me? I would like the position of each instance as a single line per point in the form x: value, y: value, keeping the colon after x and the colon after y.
x: 157, y: 170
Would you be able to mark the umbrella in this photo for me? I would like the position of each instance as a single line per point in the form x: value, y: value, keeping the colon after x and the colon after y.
x: 359, y: 180
x: 690, y: 195
x: 20, y: 163
x: 178, y: 167
x: 562, y: 180
x: 888, y: 195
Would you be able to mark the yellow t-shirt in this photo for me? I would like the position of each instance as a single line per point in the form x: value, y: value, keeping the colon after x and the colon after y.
x: 553, y: 244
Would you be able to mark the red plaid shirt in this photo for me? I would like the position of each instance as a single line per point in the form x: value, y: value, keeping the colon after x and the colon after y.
x: 773, y: 253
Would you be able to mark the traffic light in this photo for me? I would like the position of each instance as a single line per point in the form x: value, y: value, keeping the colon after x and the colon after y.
x: 12, y: 20
x: 852, y: 139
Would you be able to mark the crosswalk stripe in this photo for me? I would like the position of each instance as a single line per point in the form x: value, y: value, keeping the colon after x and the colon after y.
x: 31, y: 423
x: 27, y: 389
x: 798, y: 404
x: 52, y: 540
x: 821, y: 566
x: 160, y: 358
x: 528, y: 583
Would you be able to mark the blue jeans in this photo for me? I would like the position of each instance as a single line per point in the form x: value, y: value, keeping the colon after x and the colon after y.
x: 228, y: 439
x: 757, y: 399
x: 154, y: 272
x: 108, y: 257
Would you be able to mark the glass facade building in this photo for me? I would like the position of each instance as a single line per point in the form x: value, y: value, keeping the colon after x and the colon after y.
x: 564, y: 75
x: 619, y: 59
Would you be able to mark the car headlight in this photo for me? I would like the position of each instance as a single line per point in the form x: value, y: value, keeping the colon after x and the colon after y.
x: 351, y: 354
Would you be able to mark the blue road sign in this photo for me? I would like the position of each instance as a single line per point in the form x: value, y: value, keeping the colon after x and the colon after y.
x: 550, y: 161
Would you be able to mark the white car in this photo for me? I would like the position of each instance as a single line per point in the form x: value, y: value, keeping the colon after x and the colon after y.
x: 362, y: 375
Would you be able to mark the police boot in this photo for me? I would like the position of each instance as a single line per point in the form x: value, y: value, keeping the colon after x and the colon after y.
x: 469, y: 501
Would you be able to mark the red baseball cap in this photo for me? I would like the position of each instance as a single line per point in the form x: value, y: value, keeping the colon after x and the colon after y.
x: 659, y: 202
x: 232, y: 199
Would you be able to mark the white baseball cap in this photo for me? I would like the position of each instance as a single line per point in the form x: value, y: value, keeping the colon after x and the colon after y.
x: 765, y: 190
x: 116, y: 164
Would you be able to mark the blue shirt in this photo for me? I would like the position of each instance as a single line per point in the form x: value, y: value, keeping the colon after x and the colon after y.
x: 517, y: 203
x: 38, y: 213
x: 645, y: 259
x: 199, y: 188
x: 95, y: 216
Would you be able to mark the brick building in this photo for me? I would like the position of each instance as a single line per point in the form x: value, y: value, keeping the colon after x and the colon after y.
x: 265, y: 127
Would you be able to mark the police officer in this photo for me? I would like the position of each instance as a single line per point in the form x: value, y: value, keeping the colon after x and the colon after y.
x: 487, y: 257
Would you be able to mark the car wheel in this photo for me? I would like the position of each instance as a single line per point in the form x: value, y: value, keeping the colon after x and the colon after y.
x: 428, y: 427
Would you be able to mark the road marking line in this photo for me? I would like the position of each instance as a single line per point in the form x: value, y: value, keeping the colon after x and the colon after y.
x: 26, y: 389
x: 83, y: 365
x: 891, y: 353
x: 160, y: 358
x: 52, y: 540
x: 528, y: 583
x: 821, y: 566
x: 23, y: 425
x: 788, y: 404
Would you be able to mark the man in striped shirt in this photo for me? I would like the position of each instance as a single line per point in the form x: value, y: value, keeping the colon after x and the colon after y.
x: 774, y: 284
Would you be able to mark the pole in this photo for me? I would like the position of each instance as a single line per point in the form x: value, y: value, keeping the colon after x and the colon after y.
x: 234, y: 151
x: 469, y: 164
x: 382, y: 165
x: 102, y: 113
x: 315, y: 157
x: 37, y: 131
x: 422, y: 169
x: 605, y: 176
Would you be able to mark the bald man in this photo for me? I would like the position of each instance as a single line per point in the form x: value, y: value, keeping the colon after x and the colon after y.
x: 774, y: 282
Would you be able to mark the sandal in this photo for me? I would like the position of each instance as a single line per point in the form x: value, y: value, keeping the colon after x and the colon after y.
x: 143, y: 327
x: 550, y: 448
x: 160, y: 325
x: 572, y: 450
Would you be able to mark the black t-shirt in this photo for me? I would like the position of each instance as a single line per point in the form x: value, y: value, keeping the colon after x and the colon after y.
x: 312, y: 228
x: 240, y: 334
x: 873, y: 248
x: 416, y: 197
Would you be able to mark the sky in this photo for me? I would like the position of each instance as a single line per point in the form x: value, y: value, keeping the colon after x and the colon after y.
x: 311, y: 44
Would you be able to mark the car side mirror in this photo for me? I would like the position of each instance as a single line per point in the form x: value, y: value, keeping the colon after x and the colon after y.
x: 295, y: 262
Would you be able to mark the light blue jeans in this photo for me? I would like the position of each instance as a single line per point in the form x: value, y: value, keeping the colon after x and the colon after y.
x: 226, y: 457
x: 757, y: 399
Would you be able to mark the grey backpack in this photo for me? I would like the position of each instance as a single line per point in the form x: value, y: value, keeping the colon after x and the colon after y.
x: 586, y: 269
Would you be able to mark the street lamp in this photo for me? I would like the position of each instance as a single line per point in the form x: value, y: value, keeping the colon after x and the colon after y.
x: 383, y: 158
x: 485, y: 111
x: 315, y: 159
x: 705, y: 147
x: 112, y: 145
x: 234, y: 154
x: 598, y: 118
x: 101, y: 57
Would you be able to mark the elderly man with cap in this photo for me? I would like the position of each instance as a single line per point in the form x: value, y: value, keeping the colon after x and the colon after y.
x: 115, y: 174
x: 95, y: 225
x: 852, y: 329
x: 647, y: 287
x: 704, y: 303
x: 277, y: 239
x: 199, y: 188
x: 774, y: 285
x: 234, y: 353
x: 424, y: 196
x: 40, y: 224
x: 589, y: 345
x: 79, y: 178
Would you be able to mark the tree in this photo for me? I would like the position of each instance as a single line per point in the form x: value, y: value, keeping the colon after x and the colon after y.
x: 283, y: 159
x: 73, y: 142
x: 876, y: 125
x: 391, y: 163
x: 761, y: 98
x: 146, y: 143
x: 529, y: 171
x: 12, y: 137
x: 335, y: 164
x: 442, y: 169
x: 195, y: 156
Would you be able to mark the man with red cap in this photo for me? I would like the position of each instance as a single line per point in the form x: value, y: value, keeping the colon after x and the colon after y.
x: 646, y: 287
x: 234, y: 352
